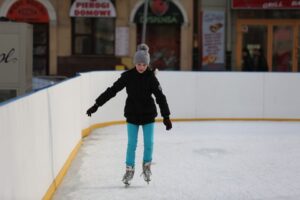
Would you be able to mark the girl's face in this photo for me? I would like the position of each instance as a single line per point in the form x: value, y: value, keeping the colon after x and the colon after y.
x: 141, y: 67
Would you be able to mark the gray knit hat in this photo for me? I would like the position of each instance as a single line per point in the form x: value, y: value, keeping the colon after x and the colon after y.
x: 142, y: 55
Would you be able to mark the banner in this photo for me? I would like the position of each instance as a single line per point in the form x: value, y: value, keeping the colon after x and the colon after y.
x: 92, y: 8
x: 266, y: 4
x: 213, y: 40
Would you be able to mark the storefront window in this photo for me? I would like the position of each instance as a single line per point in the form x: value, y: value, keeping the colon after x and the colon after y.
x: 93, y: 36
x: 255, y: 36
x: 83, y: 45
x: 282, y: 48
x: 93, y: 27
x: 83, y: 26
x: 40, y: 49
x: 255, y: 41
x: 104, y: 37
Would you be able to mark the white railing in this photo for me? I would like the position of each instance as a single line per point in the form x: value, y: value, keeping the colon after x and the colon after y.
x: 39, y: 131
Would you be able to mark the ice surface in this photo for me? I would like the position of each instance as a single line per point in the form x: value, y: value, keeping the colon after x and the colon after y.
x: 210, y: 160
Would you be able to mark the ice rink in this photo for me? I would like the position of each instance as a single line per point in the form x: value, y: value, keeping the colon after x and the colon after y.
x: 204, y: 160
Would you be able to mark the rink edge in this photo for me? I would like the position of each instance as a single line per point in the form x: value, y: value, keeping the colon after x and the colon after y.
x: 86, y: 132
x: 235, y: 119
x: 59, y: 178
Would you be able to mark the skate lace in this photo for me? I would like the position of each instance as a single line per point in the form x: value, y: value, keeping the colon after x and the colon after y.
x: 146, y: 171
x: 128, y: 175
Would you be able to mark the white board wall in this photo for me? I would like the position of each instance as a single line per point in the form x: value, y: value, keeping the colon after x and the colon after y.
x: 39, y: 131
x: 211, y: 95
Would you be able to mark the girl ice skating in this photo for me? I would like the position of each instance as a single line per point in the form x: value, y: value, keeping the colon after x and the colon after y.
x: 140, y: 110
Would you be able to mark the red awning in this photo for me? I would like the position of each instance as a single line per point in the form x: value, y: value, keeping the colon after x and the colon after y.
x: 28, y: 11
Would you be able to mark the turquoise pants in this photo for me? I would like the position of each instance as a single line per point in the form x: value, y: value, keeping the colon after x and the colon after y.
x: 132, y: 131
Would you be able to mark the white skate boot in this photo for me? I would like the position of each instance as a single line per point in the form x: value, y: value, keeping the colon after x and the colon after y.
x: 147, y: 171
x: 128, y: 175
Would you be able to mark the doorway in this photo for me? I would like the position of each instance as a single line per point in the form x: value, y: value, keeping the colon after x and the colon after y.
x: 279, y: 40
x: 164, y: 44
x: 40, y: 49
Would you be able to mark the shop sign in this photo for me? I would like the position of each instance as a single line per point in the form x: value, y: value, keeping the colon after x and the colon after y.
x: 213, y: 40
x: 265, y: 4
x: 9, y: 57
x: 92, y: 8
x: 28, y: 11
x: 160, y: 12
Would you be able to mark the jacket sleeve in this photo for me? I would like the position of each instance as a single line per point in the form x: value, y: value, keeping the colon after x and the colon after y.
x: 111, y: 91
x: 161, y: 99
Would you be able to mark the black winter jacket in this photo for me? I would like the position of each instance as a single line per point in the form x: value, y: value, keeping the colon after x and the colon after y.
x: 140, y: 107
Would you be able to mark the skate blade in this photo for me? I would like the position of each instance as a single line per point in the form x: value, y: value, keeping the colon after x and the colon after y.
x: 147, y: 180
x: 127, y: 184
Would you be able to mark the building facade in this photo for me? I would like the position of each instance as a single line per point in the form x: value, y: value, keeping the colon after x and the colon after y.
x: 80, y: 35
x: 73, y: 36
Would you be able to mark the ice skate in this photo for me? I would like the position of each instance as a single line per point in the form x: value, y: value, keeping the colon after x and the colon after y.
x: 147, y: 172
x: 128, y: 175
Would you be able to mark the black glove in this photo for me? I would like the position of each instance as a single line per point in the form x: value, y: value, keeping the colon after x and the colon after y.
x: 167, y: 123
x: 92, y: 109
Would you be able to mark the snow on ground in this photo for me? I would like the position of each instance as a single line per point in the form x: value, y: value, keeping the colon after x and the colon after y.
x: 209, y: 160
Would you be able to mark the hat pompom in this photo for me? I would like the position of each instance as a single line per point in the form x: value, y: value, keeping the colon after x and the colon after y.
x: 142, y: 54
x: 143, y: 47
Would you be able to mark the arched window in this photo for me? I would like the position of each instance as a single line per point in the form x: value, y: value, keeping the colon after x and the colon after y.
x: 93, y: 31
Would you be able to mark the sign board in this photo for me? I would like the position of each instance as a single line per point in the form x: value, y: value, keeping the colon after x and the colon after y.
x: 9, y: 58
x: 15, y: 57
x: 28, y: 11
x: 92, y: 8
x: 122, y: 41
x: 159, y: 12
x: 213, y: 40
x: 266, y: 4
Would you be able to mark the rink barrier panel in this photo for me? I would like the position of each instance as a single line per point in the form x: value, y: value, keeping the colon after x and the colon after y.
x: 25, y: 148
x: 59, y: 178
x: 209, y: 95
x: 37, y: 140
x: 48, y: 125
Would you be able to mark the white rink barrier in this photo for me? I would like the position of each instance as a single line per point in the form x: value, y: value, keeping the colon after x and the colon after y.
x: 211, y: 95
x: 40, y: 132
